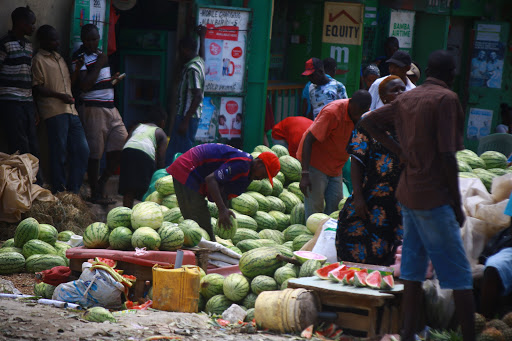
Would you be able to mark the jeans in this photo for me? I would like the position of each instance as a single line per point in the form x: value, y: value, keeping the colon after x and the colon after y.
x: 181, y: 143
x: 69, y: 152
x: 323, y: 187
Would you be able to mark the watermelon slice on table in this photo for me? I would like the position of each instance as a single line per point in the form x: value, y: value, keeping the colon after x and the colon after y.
x: 303, y: 256
x: 107, y: 261
x: 374, y: 279
x: 348, y: 278
x: 339, y: 276
x: 387, y: 282
x: 323, y: 273
x: 360, y: 278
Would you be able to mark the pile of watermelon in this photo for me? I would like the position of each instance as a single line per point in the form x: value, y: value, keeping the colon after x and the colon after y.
x: 373, y: 279
x: 34, y: 248
x: 485, y: 167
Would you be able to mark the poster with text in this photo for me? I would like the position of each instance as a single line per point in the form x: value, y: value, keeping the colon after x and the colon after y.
x: 206, y: 131
x: 401, y: 25
x: 479, y: 123
x: 225, y: 46
x: 488, y: 55
x: 230, y: 118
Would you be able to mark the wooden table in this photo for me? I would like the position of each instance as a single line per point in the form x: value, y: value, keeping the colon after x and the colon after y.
x: 360, y: 310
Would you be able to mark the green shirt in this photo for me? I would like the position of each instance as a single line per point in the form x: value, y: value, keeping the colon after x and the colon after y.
x: 143, y: 138
x: 192, y: 77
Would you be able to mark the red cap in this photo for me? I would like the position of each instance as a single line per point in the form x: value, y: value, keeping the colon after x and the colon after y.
x: 271, y: 162
x: 310, y: 68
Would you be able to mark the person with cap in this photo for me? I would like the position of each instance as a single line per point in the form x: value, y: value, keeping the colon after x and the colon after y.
x: 414, y: 73
x: 399, y: 64
x: 219, y: 172
x: 322, y: 152
x: 323, y: 89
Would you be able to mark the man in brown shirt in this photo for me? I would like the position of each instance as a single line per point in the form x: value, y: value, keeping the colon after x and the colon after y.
x: 429, y: 124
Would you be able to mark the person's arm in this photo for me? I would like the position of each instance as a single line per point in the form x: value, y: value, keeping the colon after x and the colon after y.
x: 43, y: 91
x: 357, y: 174
x: 305, y: 181
x: 215, y: 194
x: 451, y: 174
x: 75, y: 75
x: 88, y: 78
x: 197, y: 96
x: 161, y: 147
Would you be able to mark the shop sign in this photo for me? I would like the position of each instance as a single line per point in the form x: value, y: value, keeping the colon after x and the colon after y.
x: 89, y: 12
x: 401, y: 25
x: 479, y: 123
x: 343, y: 23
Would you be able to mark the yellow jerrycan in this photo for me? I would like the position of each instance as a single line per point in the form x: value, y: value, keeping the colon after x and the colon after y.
x: 176, y: 289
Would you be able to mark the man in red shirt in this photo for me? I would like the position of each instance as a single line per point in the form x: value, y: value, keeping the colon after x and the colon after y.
x: 322, y: 152
x: 289, y: 132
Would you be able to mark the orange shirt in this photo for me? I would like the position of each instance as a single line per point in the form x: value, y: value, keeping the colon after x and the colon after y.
x: 332, y: 129
x: 291, y: 130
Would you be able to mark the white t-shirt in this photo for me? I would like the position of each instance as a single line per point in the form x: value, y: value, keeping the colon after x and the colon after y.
x: 374, y: 91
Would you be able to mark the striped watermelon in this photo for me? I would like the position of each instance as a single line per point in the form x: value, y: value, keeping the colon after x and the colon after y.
x: 265, y: 221
x: 300, y: 240
x: 146, y: 237
x: 26, y: 230
x: 174, y: 215
x: 236, y: 287
x: 280, y: 177
x: 120, y: 238
x: 250, y: 315
x: 44, y: 290
x: 291, y: 168
x: 266, y: 187
x: 61, y: 248
x: 315, y: 220
x: 485, y: 176
x: 226, y: 232
x: 246, y: 222
x: 263, y: 283
x: 290, y: 200
x: 37, y: 247
x: 276, y: 204
x: 298, y: 215
x: 38, y: 263
x: 463, y: 166
x: 147, y: 214
x: 469, y: 175
x: 260, y: 261
x: 96, y: 236
x: 285, y: 250
x: 211, y: 285
x: 165, y: 185
x: 204, y: 234
x: 309, y: 267
x: 65, y: 236
x: 187, y: 224
x: 254, y: 186
x: 471, y: 158
x: 280, y: 150
x: 119, y: 216
x: 8, y: 243
x: 47, y: 233
x: 192, y: 236
x: 262, y: 148
x: 274, y: 235
x: 295, y: 189
x: 172, y: 238
x: 342, y: 203
x: 249, y: 244
x: 255, y: 154
x: 245, y: 204
x: 494, y: 159
x: 214, y: 210
x: 10, y: 249
x: 295, y: 268
x: 497, y: 171
x: 244, y: 234
x: 250, y: 300
x: 283, y: 220
x: 234, y: 248
x: 335, y: 215
x: 170, y: 201
x: 285, y: 284
x: 283, y: 273
x: 11, y: 262
x: 277, y: 188
x: 155, y: 197
x: 263, y: 203
x: 217, y: 304
x: 289, y: 244
x: 166, y: 214
x: 295, y: 230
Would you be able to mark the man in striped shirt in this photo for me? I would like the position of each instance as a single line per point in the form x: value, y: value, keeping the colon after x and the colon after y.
x: 190, y: 101
x: 17, y: 112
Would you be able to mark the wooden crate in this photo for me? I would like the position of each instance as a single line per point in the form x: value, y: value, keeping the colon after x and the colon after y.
x: 362, y: 311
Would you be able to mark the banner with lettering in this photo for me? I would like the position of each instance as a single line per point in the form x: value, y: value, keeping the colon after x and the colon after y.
x: 401, y: 26
x: 343, y: 23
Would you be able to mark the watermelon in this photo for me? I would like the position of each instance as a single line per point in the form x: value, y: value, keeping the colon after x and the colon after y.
x: 300, y: 241
x: 297, y: 215
x: 171, y: 238
x: 289, y: 244
x: 262, y: 148
x: 348, y: 277
x: 165, y: 185
x: 245, y: 222
x: 260, y: 261
x: 37, y: 247
x: 11, y: 262
x: 44, y: 290
x: 26, y: 230
x: 98, y: 314
x: 296, y: 268
x: 170, y: 201
x: 155, y: 197
x: 263, y: 203
x: 374, y: 279
x: 277, y: 189
x: 485, y: 176
x: 309, y: 267
x: 282, y: 220
x: 119, y: 216
x: 120, y: 238
x: 10, y: 249
x: 226, y: 232
x: 266, y: 188
x: 323, y: 272
x: 463, y: 166
x: 496, y: 171
x: 285, y: 251
x: 146, y: 237
x: 295, y: 189
x: 255, y: 154
x: 360, y: 278
x: 61, y: 248
x: 96, y: 236
x: 250, y: 300
x: 340, y: 274
x: 147, y: 214
x: 234, y: 248
x: 470, y: 158
x: 276, y: 204
x: 280, y: 177
x: 254, y: 186
x: 303, y: 256
x: 335, y: 215
x: 387, y: 282
x: 342, y: 203
x: 65, y: 236
x: 245, y: 204
x: 263, y: 283
x: 38, y: 263
x: 494, y: 159
x: 280, y: 150
x: 285, y: 284
x: 292, y: 231
x: 244, y: 234
x: 283, y: 273
x: 47, y: 233
x: 315, y: 221
x: 291, y: 168
x: 250, y: 315
x: 217, y: 304
x: 192, y: 236
x: 468, y: 175
x: 290, y: 200
x: 174, y: 215
x: 188, y: 224
x: 213, y: 209
x: 250, y: 244
x: 236, y: 287
x: 213, y: 221
x: 274, y: 235
x: 265, y: 221
x: 8, y: 243
x: 211, y: 285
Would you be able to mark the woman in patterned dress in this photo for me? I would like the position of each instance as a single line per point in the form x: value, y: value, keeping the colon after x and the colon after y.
x: 370, y: 223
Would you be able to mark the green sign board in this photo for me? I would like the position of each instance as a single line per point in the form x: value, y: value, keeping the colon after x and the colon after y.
x: 95, y: 12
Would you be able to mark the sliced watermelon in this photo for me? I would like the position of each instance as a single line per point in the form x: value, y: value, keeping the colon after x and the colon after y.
x: 307, y: 333
x: 387, y: 282
x: 360, y: 278
x: 337, y: 275
x: 347, y: 277
x: 374, y: 279
x: 303, y: 256
x: 107, y: 261
x: 323, y: 273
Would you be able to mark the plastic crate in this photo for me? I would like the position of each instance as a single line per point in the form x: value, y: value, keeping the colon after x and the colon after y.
x: 497, y: 142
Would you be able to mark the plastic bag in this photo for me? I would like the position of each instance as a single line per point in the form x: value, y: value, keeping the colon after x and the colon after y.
x: 439, y: 305
x: 93, y: 288
x: 326, y: 242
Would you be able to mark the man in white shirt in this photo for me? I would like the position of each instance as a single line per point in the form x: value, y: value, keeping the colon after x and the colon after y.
x: 399, y: 64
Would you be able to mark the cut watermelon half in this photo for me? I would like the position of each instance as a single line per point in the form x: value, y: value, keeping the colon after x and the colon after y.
x: 374, y: 279
x: 107, y: 261
x: 387, y: 282
x: 303, y: 256
x: 360, y: 278
x: 323, y: 273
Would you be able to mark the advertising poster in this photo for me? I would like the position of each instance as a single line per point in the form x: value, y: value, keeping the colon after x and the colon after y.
x: 89, y: 12
x: 343, y: 23
x: 230, y: 118
x: 479, y: 123
x: 206, y: 130
x: 401, y: 25
x: 488, y: 55
x: 226, y: 42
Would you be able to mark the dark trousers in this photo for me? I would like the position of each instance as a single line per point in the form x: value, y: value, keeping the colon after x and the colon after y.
x: 69, y: 152
x: 193, y: 206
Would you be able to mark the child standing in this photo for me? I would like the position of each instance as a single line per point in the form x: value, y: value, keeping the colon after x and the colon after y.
x: 143, y: 153
x: 66, y: 138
